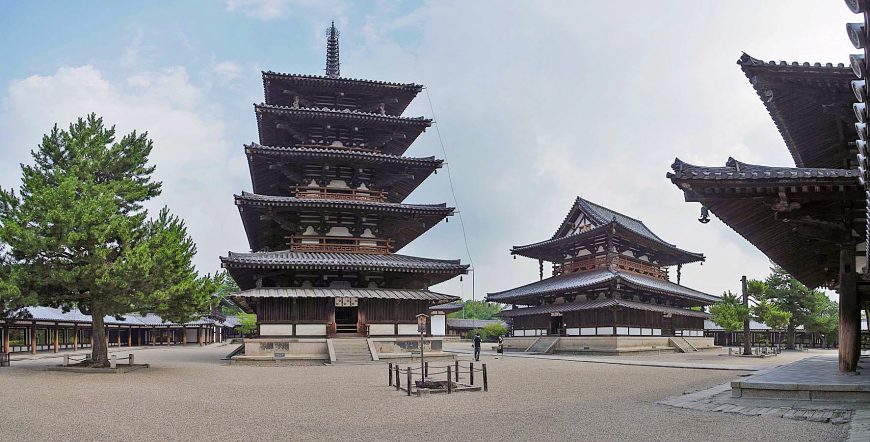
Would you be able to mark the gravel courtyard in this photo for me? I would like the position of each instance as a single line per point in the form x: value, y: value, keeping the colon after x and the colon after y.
x: 189, y: 394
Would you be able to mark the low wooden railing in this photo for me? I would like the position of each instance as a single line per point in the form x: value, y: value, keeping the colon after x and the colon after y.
x: 337, y: 244
x: 621, y: 263
x: 338, y: 193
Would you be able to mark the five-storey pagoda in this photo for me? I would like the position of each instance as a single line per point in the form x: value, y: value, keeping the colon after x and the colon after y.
x: 326, y: 215
x: 609, y: 279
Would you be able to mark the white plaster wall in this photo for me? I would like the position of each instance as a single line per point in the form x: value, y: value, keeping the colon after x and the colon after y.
x: 408, y: 329
x: 310, y: 329
x: 276, y: 329
x: 382, y: 329
x: 439, y: 325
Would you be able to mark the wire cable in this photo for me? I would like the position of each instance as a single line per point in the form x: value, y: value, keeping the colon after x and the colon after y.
x: 452, y: 191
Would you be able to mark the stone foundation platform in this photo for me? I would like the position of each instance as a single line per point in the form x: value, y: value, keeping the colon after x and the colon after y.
x: 811, y: 379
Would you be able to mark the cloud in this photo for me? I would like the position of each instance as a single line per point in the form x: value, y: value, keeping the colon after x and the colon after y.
x: 198, y: 166
x: 274, y: 9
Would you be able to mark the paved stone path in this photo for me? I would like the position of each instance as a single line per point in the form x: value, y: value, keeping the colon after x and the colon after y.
x: 620, y: 361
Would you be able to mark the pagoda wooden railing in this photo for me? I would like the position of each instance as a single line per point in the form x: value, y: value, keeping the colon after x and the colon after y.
x: 331, y: 146
x: 337, y: 244
x: 338, y: 193
x: 621, y: 263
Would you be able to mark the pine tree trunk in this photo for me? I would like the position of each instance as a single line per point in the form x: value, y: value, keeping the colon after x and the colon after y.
x: 100, y: 350
x: 790, y: 345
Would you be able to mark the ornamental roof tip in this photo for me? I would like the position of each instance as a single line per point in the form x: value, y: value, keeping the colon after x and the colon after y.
x: 747, y: 60
x: 345, y: 79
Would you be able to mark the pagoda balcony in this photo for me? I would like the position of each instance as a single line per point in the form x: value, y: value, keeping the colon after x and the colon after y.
x: 339, y: 244
x: 338, y: 193
x: 621, y: 262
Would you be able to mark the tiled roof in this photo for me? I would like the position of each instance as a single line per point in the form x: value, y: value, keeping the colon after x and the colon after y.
x: 470, y: 324
x: 355, y: 261
x: 326, y: 152
x: 324, y: 113
x: 43, y: 313
x: 281, y: 292
x: 736, y: 170
x: 287, y: 201
x: 597, y: 304
x: 811, y: 105
x: 602, y: 215
x: 448, y: 307
x: 753, y: 325
x: 565, y: 283
x: 325, y: 79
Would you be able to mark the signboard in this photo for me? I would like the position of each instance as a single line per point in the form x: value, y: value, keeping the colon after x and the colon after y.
x: 346, y: 302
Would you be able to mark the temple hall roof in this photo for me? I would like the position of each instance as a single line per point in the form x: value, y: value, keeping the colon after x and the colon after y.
x: 573, y: 282
x: 811, y: 105
x: 792, y: 215
x: 325, y: 292
x: 598, y: 304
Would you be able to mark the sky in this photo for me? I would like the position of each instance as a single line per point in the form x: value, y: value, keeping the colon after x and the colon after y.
x: 537, y: 102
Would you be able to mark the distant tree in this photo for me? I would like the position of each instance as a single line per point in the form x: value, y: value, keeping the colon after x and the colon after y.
x: 79, y: 236
x: 771, y: 315
x: 247, y: 323
x: 826, y: 318
x: 495, y: 330
x: 788, y: 294
x: 477, y: 310
x: 729, y: 312
x: 225, y: 288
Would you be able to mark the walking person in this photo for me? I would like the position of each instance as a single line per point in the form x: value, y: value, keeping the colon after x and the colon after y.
x: 500, y: 348
x: 477, y: 346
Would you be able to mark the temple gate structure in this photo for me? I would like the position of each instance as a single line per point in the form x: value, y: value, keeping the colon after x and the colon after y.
x: 327, y: 213
x: 810, y: 219
x: 609, y: 291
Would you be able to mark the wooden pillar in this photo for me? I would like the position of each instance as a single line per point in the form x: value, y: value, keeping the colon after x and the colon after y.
x: 850, y: 311
x: 119, y: 336
x: 747, y: 345
x: 129, y: 336
x: 184, y: 337
x: 33, y: 338
x: 199, y: 335
x: 5, y: 337
x: 75, y: 337
x: 56, y: 343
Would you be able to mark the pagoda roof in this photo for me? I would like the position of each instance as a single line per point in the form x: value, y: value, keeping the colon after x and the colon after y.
x: 406, y: 221
x: 396, y: 96
x: 602, y: 215
x: 811, y: 105
x: 567, y: 283
x: 599, y: 304
x: 554, y: 250
x: 269, y: 116
x: 433, y: 270
x: 793, y: 215
x: 402, y: 174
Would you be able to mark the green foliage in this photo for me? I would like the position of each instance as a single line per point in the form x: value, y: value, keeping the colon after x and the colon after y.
x: 826, y: 319
x: 225, y: 288
x: 729, y: 312
x: 768, y: 313
x: 495, y: 330
x: 477, y: 310
x: 79, y: 236
x: 788, y: 294
x: 247, y: 323
x: 489, y: 332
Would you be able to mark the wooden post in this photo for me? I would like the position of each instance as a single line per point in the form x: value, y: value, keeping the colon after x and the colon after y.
x: 390, y: 371
x: 471, y: 373
x: 130, y: 337
x: 398, y: 381
x: 56, y: 342
x: 5, y: 338
x: 118, y: 331
x: 485, y: 385
x: 33, y: 338
x: 747, y: 345
x: 456, y: 371
x: 449, y: 383
x: 426, y: 369
x: 184, y: 337
x: 850, y: 312
x: 199, y: 335
x: 75, y: 337
x: 408, y: 385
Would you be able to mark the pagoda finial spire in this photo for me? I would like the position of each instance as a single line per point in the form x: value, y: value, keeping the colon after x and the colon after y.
x: 332, y: 63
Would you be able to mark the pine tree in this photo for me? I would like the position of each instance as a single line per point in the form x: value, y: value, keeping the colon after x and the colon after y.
x: 79, y: 236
